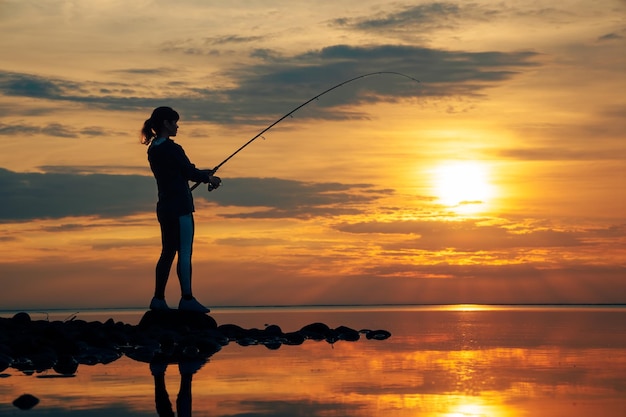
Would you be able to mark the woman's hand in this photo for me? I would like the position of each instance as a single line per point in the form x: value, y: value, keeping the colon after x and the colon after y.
x: 214, y: 182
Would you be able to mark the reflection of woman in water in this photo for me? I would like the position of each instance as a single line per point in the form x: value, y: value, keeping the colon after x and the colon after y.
x: 183, y: 400
x: 173, y: 171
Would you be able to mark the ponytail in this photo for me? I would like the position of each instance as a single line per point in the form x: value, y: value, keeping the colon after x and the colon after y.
x: 152, y: 126
x: 147, y: 132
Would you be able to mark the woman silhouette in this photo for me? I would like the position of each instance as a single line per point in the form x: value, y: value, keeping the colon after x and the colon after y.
x: 173, y: 171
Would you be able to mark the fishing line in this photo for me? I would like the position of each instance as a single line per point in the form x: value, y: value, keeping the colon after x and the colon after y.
x: 299, y: 107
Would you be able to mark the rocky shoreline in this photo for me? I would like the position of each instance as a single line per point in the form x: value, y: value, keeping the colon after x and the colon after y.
x: 35, y: 346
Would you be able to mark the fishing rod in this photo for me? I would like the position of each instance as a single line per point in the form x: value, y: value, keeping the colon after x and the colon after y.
x: 298, y: 108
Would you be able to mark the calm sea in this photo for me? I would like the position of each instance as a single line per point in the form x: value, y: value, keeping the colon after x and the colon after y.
x: 444, y: 361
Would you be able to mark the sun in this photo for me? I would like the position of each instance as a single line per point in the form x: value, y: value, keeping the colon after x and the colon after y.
x: 464, y: 185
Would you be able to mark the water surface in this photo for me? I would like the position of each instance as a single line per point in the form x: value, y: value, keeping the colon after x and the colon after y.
x: 445, y: 361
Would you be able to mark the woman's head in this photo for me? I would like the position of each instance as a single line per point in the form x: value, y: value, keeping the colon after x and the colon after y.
x: 162, y: 121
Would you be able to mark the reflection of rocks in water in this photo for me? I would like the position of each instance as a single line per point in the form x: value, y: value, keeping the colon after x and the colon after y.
x: 162, y: 336
x: 26, y: 401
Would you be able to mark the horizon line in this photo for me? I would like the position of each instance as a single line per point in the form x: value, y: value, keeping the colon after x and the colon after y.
x: 316, y: 306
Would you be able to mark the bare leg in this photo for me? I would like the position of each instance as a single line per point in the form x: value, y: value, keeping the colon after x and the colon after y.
x: 183, y: 268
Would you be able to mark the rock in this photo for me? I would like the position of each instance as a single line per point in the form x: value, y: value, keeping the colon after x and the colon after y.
x: 273, y: 330
x: 316, y: 331
x: 293, y: 338
x: 273, y: 344
x: 44, y: 359
x: 66, y: 365
x: 21, y: 318
x: 232, y: 331
x: 177, y: 319
x: 347, y: 334
x: 5, y: 361
x: 26, y: 402
x: 377, y: 335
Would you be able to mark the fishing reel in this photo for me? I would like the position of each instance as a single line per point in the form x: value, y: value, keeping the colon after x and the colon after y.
x: 214, y: 183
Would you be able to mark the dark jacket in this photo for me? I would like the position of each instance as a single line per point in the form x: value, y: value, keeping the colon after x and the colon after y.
x: 173, y: 171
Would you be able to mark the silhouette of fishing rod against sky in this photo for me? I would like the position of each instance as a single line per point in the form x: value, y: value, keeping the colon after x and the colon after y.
x: 291, y: 112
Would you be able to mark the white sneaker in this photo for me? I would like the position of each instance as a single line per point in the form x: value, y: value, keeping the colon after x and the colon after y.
x: 157, y: 304
x: 192, y: 305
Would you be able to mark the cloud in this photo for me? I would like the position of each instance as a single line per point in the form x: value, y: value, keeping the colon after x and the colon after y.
x: 443, y: 72
x: 427, y: 16
x: 28, y: 85
x: 545, y: 141
x: 464, y: 236
x: 76, y: 192
x: 610, y: 37
x: 14, y: 84
x: 252, y: 242
x: 277, y: 82
x: 422, y: 19
x: 614, y: 231
x: 280, y: 198
x: 232, y: 39
x: 51, y: 129
x: 559, y: 154
x: 55, y: 195
x: 289, y: 408
x: 162, y: 72
x: 208, y: 45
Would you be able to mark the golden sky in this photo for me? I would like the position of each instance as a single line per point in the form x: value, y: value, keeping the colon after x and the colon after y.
x: 499, y: 178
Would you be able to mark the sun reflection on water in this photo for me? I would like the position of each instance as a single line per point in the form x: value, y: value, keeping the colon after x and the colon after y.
x: 471, y: 407
x: 469, y: 307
